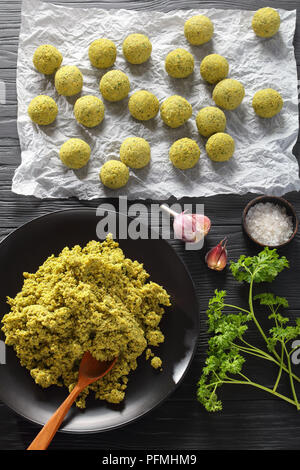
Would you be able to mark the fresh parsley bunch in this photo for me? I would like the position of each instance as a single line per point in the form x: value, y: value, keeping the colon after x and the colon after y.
x: 227, y: 347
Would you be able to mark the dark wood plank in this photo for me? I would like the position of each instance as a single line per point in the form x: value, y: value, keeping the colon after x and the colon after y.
x: 250, y: 419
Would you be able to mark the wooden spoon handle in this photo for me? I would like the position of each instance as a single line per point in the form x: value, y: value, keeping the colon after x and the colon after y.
x: 46, y: 434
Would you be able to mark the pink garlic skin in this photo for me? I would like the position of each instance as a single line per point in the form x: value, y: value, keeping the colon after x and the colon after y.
x: 191, y: 227
x: 216, y: 258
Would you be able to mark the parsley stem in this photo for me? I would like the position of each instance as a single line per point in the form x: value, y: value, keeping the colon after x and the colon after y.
x: 252, y: 309
x: 244, y: 377
x: 266, y: 389
x: 293, y: 350
x: 237, y: 308
x: 291, y: 378
x: 254, y: 384
x: 280, y: 370
x: 263, y: 353
x: 254, y: 352
x: 213, y: 393
x: 284, y: 367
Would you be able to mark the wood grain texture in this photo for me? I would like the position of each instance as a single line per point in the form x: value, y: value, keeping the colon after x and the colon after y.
x: 250, y: 419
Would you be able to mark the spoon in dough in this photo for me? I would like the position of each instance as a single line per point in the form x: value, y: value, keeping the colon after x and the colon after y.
x: 90, y: 370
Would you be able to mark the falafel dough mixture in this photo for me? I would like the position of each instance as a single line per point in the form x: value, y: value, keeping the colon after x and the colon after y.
x: 156, y: 362
x: 89, y: 110
x: 47, y: 59
x: 42, y: 110
x: 175, y: 111
x: 137, y: 48
x: 143, y: 105
x: 68, y: 80
x: 85, y: 299
x: 135, y: 152
x: 114, y: 85
x: 114, y: 174
x: 179, y: 63
x: 184, y: 153
x: 102, y: 53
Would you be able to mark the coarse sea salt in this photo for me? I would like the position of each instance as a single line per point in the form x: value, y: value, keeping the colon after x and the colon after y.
x: 269, y: 224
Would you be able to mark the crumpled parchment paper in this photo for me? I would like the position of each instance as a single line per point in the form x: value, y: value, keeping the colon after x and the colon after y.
x: 263, y: 161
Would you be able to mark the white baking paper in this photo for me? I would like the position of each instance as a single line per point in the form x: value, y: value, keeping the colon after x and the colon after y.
x: 263, y: 161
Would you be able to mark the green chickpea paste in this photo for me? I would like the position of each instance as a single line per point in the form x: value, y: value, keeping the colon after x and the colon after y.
x: 90, y: 298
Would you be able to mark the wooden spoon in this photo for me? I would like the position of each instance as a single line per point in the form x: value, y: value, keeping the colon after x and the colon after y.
x: 90, y: 370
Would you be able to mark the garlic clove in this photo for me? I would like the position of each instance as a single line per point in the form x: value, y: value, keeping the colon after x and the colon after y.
x: 191, y: 227
x: 216, y: 258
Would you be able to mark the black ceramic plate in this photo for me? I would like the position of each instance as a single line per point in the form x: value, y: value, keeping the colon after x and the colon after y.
x: 26, y: 249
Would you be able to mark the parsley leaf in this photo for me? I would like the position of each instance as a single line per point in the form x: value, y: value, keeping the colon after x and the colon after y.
x: 261, y: 268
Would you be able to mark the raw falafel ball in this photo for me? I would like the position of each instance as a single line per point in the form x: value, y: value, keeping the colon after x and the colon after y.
x: 143, y: 105
x: 68, y: 80
x: 75, y: 153
x: 47, y: 59
x: 266, y: 22
x: 42, y: 110
x: 220, y: 147
x: 184, y: 153
x: 114, y: 174
x: 228, y: 93
x: 267, y: 103
x: 102, y: 53
x: 175, y: 111
x: 114, y: 85
x: 135, y: 152
x: 89, y: 111
x: 137, y: 48
x: 198, y: 29
x: 179, y: 63
x: 214, y: 68
x: 210, y: 120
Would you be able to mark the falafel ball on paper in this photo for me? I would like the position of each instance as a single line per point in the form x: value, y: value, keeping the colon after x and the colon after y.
x: 220, y: 147
x: 267, y: 103
x: 102, y: 53
x: 184, y: 153
x: 175, y: 111
x: 137, y: 48
x: 114, y: 174
x: 68, y: 80
x: 47, y: 59
x: 75, y: 153
x: 135, y: 152
x: 143, y: 105
x: 114, y: 85
x: 198, y: 30
x: 179, y: 63
x: 266, y: 22
x: 42, y: 110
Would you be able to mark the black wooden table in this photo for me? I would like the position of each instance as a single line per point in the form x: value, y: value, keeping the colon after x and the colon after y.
x: 250, y: 419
